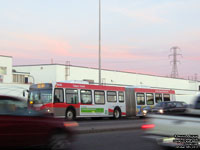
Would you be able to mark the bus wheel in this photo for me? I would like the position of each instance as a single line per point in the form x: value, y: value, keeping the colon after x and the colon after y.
x: 116, y: 113
x: 70, y: 115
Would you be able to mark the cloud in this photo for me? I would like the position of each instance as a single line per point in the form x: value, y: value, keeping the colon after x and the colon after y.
x: 114, y: 52
x: 156, y: 12
x: 34, y: 45
x: 147, y: 15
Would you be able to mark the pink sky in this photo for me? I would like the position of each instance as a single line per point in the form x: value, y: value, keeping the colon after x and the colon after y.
x: 136, y: 35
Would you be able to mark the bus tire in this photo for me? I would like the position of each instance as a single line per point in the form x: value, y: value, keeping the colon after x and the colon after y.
x: 70, y: 115
x: 117, y: 113
x: 141, y: 117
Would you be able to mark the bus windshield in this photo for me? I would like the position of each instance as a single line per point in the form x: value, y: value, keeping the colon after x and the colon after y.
x: 42, y: 96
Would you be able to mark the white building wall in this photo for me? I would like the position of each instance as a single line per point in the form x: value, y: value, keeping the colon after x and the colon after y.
x: 81, y: 73
x: 40, y: 73
x: 185, y: 89
x: 6, y: 61
x: 60, y: 73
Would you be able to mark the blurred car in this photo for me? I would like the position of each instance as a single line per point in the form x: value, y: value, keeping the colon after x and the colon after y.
x: 168, y: 107
x: 180, y: 131
x: 24, y: 127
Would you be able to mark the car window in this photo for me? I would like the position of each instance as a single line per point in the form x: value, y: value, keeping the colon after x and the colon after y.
x: 197, y: 103
x: 11, y: 106
x: 169, y: 104
x: 179, y: 105
x: 160, y: 104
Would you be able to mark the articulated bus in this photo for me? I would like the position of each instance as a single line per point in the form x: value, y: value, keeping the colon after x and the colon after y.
x: 74, y: 100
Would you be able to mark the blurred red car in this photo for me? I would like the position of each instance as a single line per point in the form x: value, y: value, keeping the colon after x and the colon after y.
x: 23, y: 127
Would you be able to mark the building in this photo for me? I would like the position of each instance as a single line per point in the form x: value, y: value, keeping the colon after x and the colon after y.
x: 45, y: 73
x: 16, y: 79
x: 11, y: 81
x: 5, y: 69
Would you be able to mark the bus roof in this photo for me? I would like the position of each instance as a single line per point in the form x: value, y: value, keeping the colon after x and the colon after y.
x: 88, y: 86
x: 154, y: 90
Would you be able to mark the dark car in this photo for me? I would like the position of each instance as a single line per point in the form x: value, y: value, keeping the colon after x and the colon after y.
x: 24, y: 127
x: 169, y: 107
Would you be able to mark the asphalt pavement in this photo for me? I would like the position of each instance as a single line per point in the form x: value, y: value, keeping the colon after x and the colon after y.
x: 119, y: 140
x: 106, y: 125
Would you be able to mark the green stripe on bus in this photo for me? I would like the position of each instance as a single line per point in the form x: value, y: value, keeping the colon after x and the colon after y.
x: 92, y: 110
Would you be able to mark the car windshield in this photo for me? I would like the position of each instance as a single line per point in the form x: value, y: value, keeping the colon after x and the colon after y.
x: 40, y: 96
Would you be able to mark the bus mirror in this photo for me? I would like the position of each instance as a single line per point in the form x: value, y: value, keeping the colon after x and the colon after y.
x: 24, y: 94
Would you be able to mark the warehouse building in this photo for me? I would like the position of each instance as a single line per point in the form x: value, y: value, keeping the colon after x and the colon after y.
x: 11, y: 81
x: 47, y: 73
x: 16, y: 79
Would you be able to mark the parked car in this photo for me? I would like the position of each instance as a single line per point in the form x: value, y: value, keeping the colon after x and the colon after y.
x: 24, y: 127
x: 168, y: 107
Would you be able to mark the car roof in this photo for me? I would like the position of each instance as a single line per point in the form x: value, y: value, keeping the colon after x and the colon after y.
x: 173, y: 102
x: 2, y: 97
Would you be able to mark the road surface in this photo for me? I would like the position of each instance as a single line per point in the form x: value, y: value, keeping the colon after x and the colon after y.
x: 119, y: 140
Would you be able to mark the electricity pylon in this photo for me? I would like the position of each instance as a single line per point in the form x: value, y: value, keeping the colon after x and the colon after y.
x: 174, y: 73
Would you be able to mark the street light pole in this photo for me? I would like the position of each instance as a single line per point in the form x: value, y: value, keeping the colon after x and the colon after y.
x: 99, y: 42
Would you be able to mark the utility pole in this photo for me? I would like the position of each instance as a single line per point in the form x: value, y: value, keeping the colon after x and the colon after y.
x: 174, y: 73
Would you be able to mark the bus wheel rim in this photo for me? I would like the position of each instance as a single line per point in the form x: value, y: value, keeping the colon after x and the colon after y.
x: 116, y: 114
x: 70, y: 115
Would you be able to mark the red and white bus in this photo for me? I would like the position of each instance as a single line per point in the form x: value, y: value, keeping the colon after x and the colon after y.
x: 73, y: 100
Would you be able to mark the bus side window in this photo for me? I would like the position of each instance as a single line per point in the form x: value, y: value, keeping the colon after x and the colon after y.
x: 166, y: 97
x: 140, y: 99
x: 158, y: 97
x: 99, y: 97
x: 58, y: 96
x: 111, y: 96
x: 149, y: 99
x: 71, y: 96
x: 121, y: 96
x: 86, y: 96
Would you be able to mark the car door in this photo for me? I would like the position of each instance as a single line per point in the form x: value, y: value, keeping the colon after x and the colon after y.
x: 17, y: 130
x: 180, y: 107
x: 7, y: 130
x: 18, y: 125
x: 172, y: 107
x: 11, y: 124
x: 9, y: 135
x: 34, y: 128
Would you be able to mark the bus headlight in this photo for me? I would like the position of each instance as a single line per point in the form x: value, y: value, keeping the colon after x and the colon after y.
x: 161, y: 111
x: 47, y: 110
